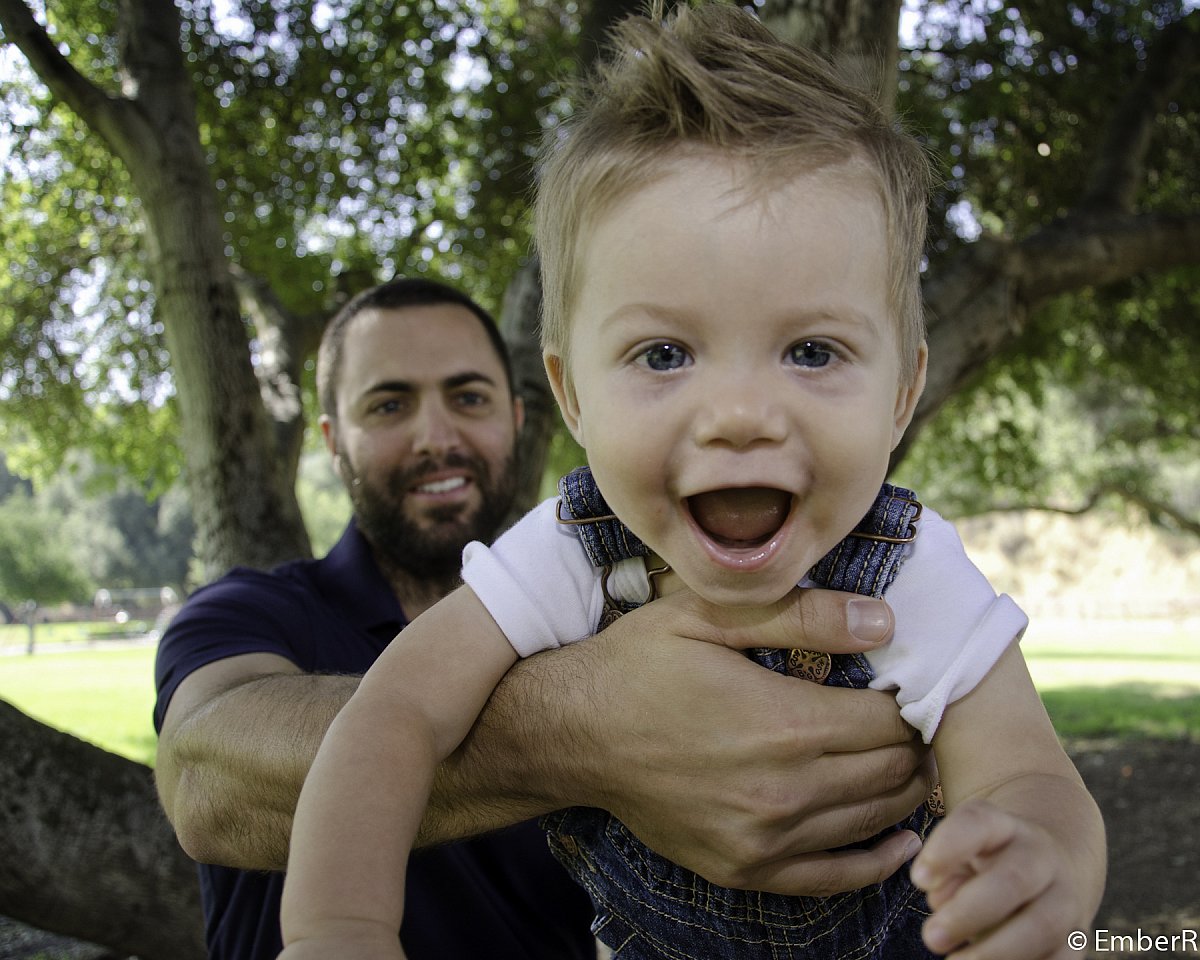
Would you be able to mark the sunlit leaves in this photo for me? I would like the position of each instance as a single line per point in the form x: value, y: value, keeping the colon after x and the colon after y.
x: 1015, y: 99
x: 348, y: 142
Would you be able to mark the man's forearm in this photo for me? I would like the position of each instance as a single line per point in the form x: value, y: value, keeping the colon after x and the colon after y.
x: 230, y: 773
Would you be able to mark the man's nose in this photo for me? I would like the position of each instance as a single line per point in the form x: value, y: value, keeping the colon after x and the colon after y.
x: 740, y: 408
x: 435, y: 432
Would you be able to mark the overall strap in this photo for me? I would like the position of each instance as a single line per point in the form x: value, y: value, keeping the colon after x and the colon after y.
x: 868, y: 560
x: 605, y: 538
x: 865, y: 562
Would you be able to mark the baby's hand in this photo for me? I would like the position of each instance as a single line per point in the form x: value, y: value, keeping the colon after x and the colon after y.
x: 998, y: 886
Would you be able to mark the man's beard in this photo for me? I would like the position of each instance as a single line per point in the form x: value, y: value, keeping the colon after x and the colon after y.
x: 432, y: 550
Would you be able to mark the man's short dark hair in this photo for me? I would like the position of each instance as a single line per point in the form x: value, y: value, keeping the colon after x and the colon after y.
x: 394, y: 295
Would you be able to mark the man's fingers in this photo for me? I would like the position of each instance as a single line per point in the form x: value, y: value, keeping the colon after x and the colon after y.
x: 837, y: 871
x: 840, y: 719
x: 811, y: 619
x: 857, y: 819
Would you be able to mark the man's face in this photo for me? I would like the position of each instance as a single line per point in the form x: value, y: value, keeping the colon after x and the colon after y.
x: 425, y: 433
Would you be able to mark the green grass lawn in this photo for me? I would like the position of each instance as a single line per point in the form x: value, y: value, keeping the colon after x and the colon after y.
x: 102, y: 694
x: 1098, y: 679
x: 1116, y: 678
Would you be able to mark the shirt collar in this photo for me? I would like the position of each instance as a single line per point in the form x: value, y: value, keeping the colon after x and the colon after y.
x: 353, y: 583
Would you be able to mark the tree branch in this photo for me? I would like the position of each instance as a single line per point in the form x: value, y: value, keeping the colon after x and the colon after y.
x: 285, y: 340
x: 1157, y: 511
x: 1115, y: 177
x: 108, y: 115
x: 85, y: 849
x: 1088, y: 250
x: 978, y: 301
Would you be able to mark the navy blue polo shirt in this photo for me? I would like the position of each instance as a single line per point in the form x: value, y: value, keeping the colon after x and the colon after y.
x: 501, y: 896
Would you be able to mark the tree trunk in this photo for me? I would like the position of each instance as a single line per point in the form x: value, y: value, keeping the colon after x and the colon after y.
x: 519, y: 324
x: 242, y: 496
x: 858, y: 35
x: 85, y: 850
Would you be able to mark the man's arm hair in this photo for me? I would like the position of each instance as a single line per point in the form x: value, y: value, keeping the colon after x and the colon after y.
x: 237, y: 740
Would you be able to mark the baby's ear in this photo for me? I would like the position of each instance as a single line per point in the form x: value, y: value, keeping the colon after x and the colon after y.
x: 564, y: 393
x: 908, y: 395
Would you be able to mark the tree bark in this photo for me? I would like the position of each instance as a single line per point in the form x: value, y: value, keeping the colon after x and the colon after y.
x: 519, y: 318
x: 85, y: 850
x: 859, y: 36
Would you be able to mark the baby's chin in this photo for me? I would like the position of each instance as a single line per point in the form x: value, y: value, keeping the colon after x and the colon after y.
x: 747, y: 590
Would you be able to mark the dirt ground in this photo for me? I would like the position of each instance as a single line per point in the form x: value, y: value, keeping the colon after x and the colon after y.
x: 1149, y: 792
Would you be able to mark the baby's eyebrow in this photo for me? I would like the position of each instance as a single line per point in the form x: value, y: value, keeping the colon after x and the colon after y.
x: 634, y: 312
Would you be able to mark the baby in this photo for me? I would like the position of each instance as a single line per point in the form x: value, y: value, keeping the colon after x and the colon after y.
x: 730, y: 240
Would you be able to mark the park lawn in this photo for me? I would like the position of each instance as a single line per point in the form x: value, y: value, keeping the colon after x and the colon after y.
x: 1118, y: 678
x: 101, y: 694
x: 1097, y: 679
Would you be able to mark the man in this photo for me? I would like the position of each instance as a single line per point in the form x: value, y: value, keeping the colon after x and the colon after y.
x: 737, y: 772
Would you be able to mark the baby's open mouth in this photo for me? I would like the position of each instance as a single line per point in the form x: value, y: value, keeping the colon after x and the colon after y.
x: 741, y: 516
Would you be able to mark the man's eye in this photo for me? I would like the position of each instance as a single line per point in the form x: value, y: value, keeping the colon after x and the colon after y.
x: 665, y: 356
x: 389, y: 406
x: 811, y: 354
x: 471, y: 399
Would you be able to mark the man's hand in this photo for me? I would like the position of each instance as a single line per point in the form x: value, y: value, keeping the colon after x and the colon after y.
x: 745, y: 776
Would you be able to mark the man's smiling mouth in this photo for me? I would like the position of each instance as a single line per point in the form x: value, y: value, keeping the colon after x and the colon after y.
x: 740, y: 517
x: 442, y: 486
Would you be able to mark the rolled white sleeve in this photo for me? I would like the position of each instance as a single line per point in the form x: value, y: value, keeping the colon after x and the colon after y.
x: 951, y: 627
x: 537, y: 582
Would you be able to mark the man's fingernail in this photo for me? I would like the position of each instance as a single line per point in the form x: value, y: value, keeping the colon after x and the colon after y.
x: 869, y: 620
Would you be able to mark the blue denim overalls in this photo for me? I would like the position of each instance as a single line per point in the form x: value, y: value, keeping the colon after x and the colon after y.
x: 648, y: 908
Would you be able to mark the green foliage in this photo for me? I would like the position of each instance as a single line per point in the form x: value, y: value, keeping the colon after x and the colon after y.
x: 323, y: 500
x: 1099, y: 395
x: 36, y: 562
x: 1100, y: 389
x: 348, y: 142
x: 563, y: 456
x: 1015, y: 100
x: 351, y: 141
x: 93, y: 522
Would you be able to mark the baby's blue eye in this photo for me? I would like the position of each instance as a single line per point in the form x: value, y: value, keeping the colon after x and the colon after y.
x: 665, y: 356
x: 811, y: 354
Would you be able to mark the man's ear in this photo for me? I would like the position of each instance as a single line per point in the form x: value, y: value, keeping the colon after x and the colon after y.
x: 564, y: 393
x: 908, y: 395
x: 518, y: 413
x: 329, y: 435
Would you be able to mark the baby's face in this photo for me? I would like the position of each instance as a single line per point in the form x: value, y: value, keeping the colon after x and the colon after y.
x: 735, y: 370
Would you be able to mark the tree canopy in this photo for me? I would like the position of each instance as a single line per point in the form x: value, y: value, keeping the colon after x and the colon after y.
x: 347, y: 142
